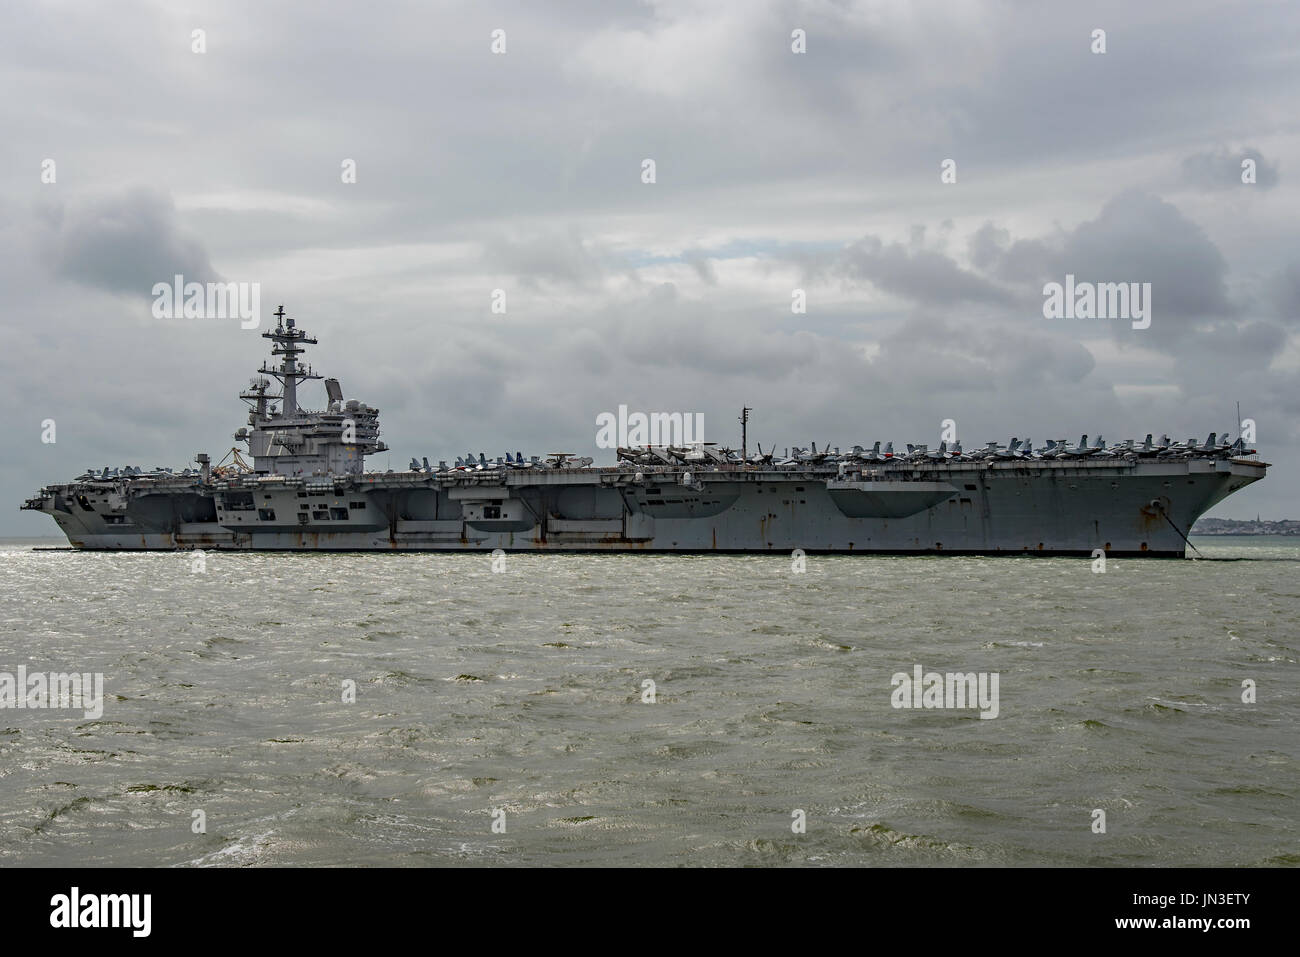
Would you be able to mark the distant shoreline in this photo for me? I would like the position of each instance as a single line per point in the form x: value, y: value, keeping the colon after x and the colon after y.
x: 1233, y: 526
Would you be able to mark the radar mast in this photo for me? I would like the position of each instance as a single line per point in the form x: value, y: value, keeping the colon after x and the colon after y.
x: 288, y: 342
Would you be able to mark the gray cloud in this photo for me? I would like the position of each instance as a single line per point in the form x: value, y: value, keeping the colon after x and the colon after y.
x: 1285, y: 290
x: 702, y: 265
x: 923, y: 275
x: 1221, y: 168
x: 1136, y: 237
x: 1139, y: 237
x: 1025, y: 262
x: 122, y: 243
x: 555, y: 257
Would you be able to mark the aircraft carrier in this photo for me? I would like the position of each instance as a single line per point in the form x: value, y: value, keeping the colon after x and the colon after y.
x: 307, y: 489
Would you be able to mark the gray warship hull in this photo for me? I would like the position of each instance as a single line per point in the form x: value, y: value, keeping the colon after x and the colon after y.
x: 1047, y: 508
x: 308, y: 490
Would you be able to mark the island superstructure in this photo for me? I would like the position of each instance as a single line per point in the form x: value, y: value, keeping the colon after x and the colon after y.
x: 307, y: 489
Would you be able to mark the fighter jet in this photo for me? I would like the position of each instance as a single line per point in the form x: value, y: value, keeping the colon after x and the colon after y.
x: 1083, y: 450
x: 1010, y: 452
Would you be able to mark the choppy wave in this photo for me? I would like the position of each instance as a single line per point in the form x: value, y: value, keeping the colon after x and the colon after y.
x: 422, y: 709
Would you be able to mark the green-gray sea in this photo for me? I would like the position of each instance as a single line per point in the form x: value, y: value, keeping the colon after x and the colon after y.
x: 503, y: 718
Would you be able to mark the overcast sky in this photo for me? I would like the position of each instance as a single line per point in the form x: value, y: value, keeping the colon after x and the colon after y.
x: 775, y: 170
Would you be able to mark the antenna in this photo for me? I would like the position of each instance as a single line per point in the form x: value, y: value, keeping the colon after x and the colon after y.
x: 288, y: 343
x: 744, y: 433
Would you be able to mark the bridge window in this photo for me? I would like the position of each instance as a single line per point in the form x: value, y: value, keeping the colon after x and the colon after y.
x: 356, y: 504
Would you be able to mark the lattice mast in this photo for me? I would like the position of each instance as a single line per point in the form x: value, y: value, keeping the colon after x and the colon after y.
x: 288, y: 342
